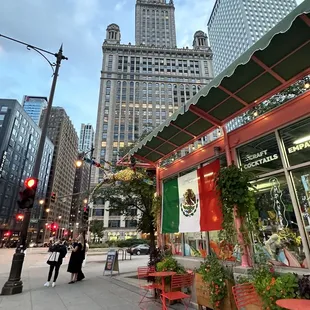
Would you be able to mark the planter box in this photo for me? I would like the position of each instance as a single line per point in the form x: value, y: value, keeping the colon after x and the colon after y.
x: 203, y: 297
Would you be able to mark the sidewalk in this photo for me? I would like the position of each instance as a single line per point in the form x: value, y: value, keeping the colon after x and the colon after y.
x: 96, y: 292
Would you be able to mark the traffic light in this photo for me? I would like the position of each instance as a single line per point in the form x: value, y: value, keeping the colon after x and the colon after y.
x: 53, y: 197
x: 54, y: 226
x: 85, y: 214
x: 19, y: 217
x: 28, y: 194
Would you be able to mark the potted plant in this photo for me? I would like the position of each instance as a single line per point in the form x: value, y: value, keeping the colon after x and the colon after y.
x: 271, y: 286
x: 214, y: 285
x: 169, y: 263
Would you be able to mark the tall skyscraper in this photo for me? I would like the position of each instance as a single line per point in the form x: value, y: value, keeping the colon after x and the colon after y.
x: 155, y: 23
x: 19, y: 140
x: 86, y: 139
x: 34, y: 107
x: 61, y: 181
x: 235, y: 25
x: 142, y: 85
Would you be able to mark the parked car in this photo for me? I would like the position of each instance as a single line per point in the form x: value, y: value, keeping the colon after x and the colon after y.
x: 139, y: 249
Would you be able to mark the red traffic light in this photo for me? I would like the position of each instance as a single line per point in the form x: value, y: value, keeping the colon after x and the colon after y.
x: 54, y: 226
x: 31, y: 183
x: 20, y: 217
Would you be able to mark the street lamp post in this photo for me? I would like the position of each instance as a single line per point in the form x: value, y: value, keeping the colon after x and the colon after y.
x: 78, y: 164
x: 14, y: 285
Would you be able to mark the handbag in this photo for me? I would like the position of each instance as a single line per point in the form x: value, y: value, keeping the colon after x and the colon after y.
x: 54, y: 257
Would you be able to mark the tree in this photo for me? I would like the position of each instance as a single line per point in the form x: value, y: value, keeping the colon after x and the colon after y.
x: 96, y: 227
x: 133, y: 190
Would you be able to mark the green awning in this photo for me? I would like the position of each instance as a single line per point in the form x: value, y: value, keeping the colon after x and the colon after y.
x: 277, y: 60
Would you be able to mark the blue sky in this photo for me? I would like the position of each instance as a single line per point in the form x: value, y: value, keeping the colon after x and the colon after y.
x: 81, y: 26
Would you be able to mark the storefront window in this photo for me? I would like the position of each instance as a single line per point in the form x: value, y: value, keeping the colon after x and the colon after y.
x: 173, y: 244
x: 260, y: 156
x: 301, y: 179
x: 221, y: 248
x: 296, y: 139
x: 195, y: 244
x: 279, y: 239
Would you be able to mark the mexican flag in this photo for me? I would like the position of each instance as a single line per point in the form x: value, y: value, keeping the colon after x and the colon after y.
x: 190, y: 202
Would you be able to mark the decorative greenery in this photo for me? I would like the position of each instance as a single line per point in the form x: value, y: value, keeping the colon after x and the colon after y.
x: 169, y: 263
x: 236, y: 193
x: 214, y: 275
x: 271, y: 287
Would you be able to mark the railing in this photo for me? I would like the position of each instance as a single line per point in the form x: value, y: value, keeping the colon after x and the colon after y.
x: 124, y: 254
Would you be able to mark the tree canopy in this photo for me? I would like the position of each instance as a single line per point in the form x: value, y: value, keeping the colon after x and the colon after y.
x: 129, y: 190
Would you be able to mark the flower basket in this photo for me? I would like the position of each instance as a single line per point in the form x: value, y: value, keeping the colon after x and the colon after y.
x: 203, y: 297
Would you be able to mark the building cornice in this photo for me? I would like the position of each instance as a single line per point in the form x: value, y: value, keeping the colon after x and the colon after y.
x: 167, y: 50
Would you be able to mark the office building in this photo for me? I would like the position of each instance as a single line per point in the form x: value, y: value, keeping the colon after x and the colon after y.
x: 80, y: 188
x: 235, y: 25
x: 86, y: 140
x: 155, y: 23
x: 62, y: 176
x: 142, y: 85
x: 19, y: 140
x: 34, y: 107
x: 116, y: 226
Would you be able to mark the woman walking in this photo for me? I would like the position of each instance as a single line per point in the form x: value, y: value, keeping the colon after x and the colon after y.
x: 59, y: 251
x: 76, y: 259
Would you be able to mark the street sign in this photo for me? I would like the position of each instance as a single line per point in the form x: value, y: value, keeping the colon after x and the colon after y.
x: 111, y: 263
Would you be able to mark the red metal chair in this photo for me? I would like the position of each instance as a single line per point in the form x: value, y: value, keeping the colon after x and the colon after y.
x: 179, y: 281
x: 145, y: 287
x: 246, y: 295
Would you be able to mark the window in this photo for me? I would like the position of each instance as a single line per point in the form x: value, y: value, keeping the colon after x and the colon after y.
x: 260, y: 156
x: 4, y: 109
x: 114, y: 223
x: 277, y: 221
x: 98, y: 212
x: 296, y: 140
x: 1, y: 117
x: 131, y: 223
x: 115, y: 213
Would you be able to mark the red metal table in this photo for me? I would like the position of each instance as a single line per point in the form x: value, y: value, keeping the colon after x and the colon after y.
x: 162, y: 275
x: 294, y: 304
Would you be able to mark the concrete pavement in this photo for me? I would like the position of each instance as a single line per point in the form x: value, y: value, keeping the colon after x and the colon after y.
x: 96, y: 292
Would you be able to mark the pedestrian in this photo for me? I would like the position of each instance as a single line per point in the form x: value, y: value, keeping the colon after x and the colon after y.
x: 81, y: 275
x: 76, y: 258
x: 58, y: 252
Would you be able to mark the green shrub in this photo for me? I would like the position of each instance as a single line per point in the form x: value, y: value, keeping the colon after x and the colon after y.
x: 130, y: 242
x: 98, y: 245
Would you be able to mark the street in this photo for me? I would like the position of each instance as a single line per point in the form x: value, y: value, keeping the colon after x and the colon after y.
x: 96, y: 292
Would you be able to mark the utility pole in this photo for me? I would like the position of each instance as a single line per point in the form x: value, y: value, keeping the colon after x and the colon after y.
x: 14, y: 284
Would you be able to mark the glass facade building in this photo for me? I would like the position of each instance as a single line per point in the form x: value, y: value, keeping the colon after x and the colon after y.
x: 19, y: 140
x: 235, y: 25
x: 86, y: 138
x: 34, y: 107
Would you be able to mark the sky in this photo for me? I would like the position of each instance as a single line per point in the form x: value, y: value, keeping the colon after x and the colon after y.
x: 81, y: 26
